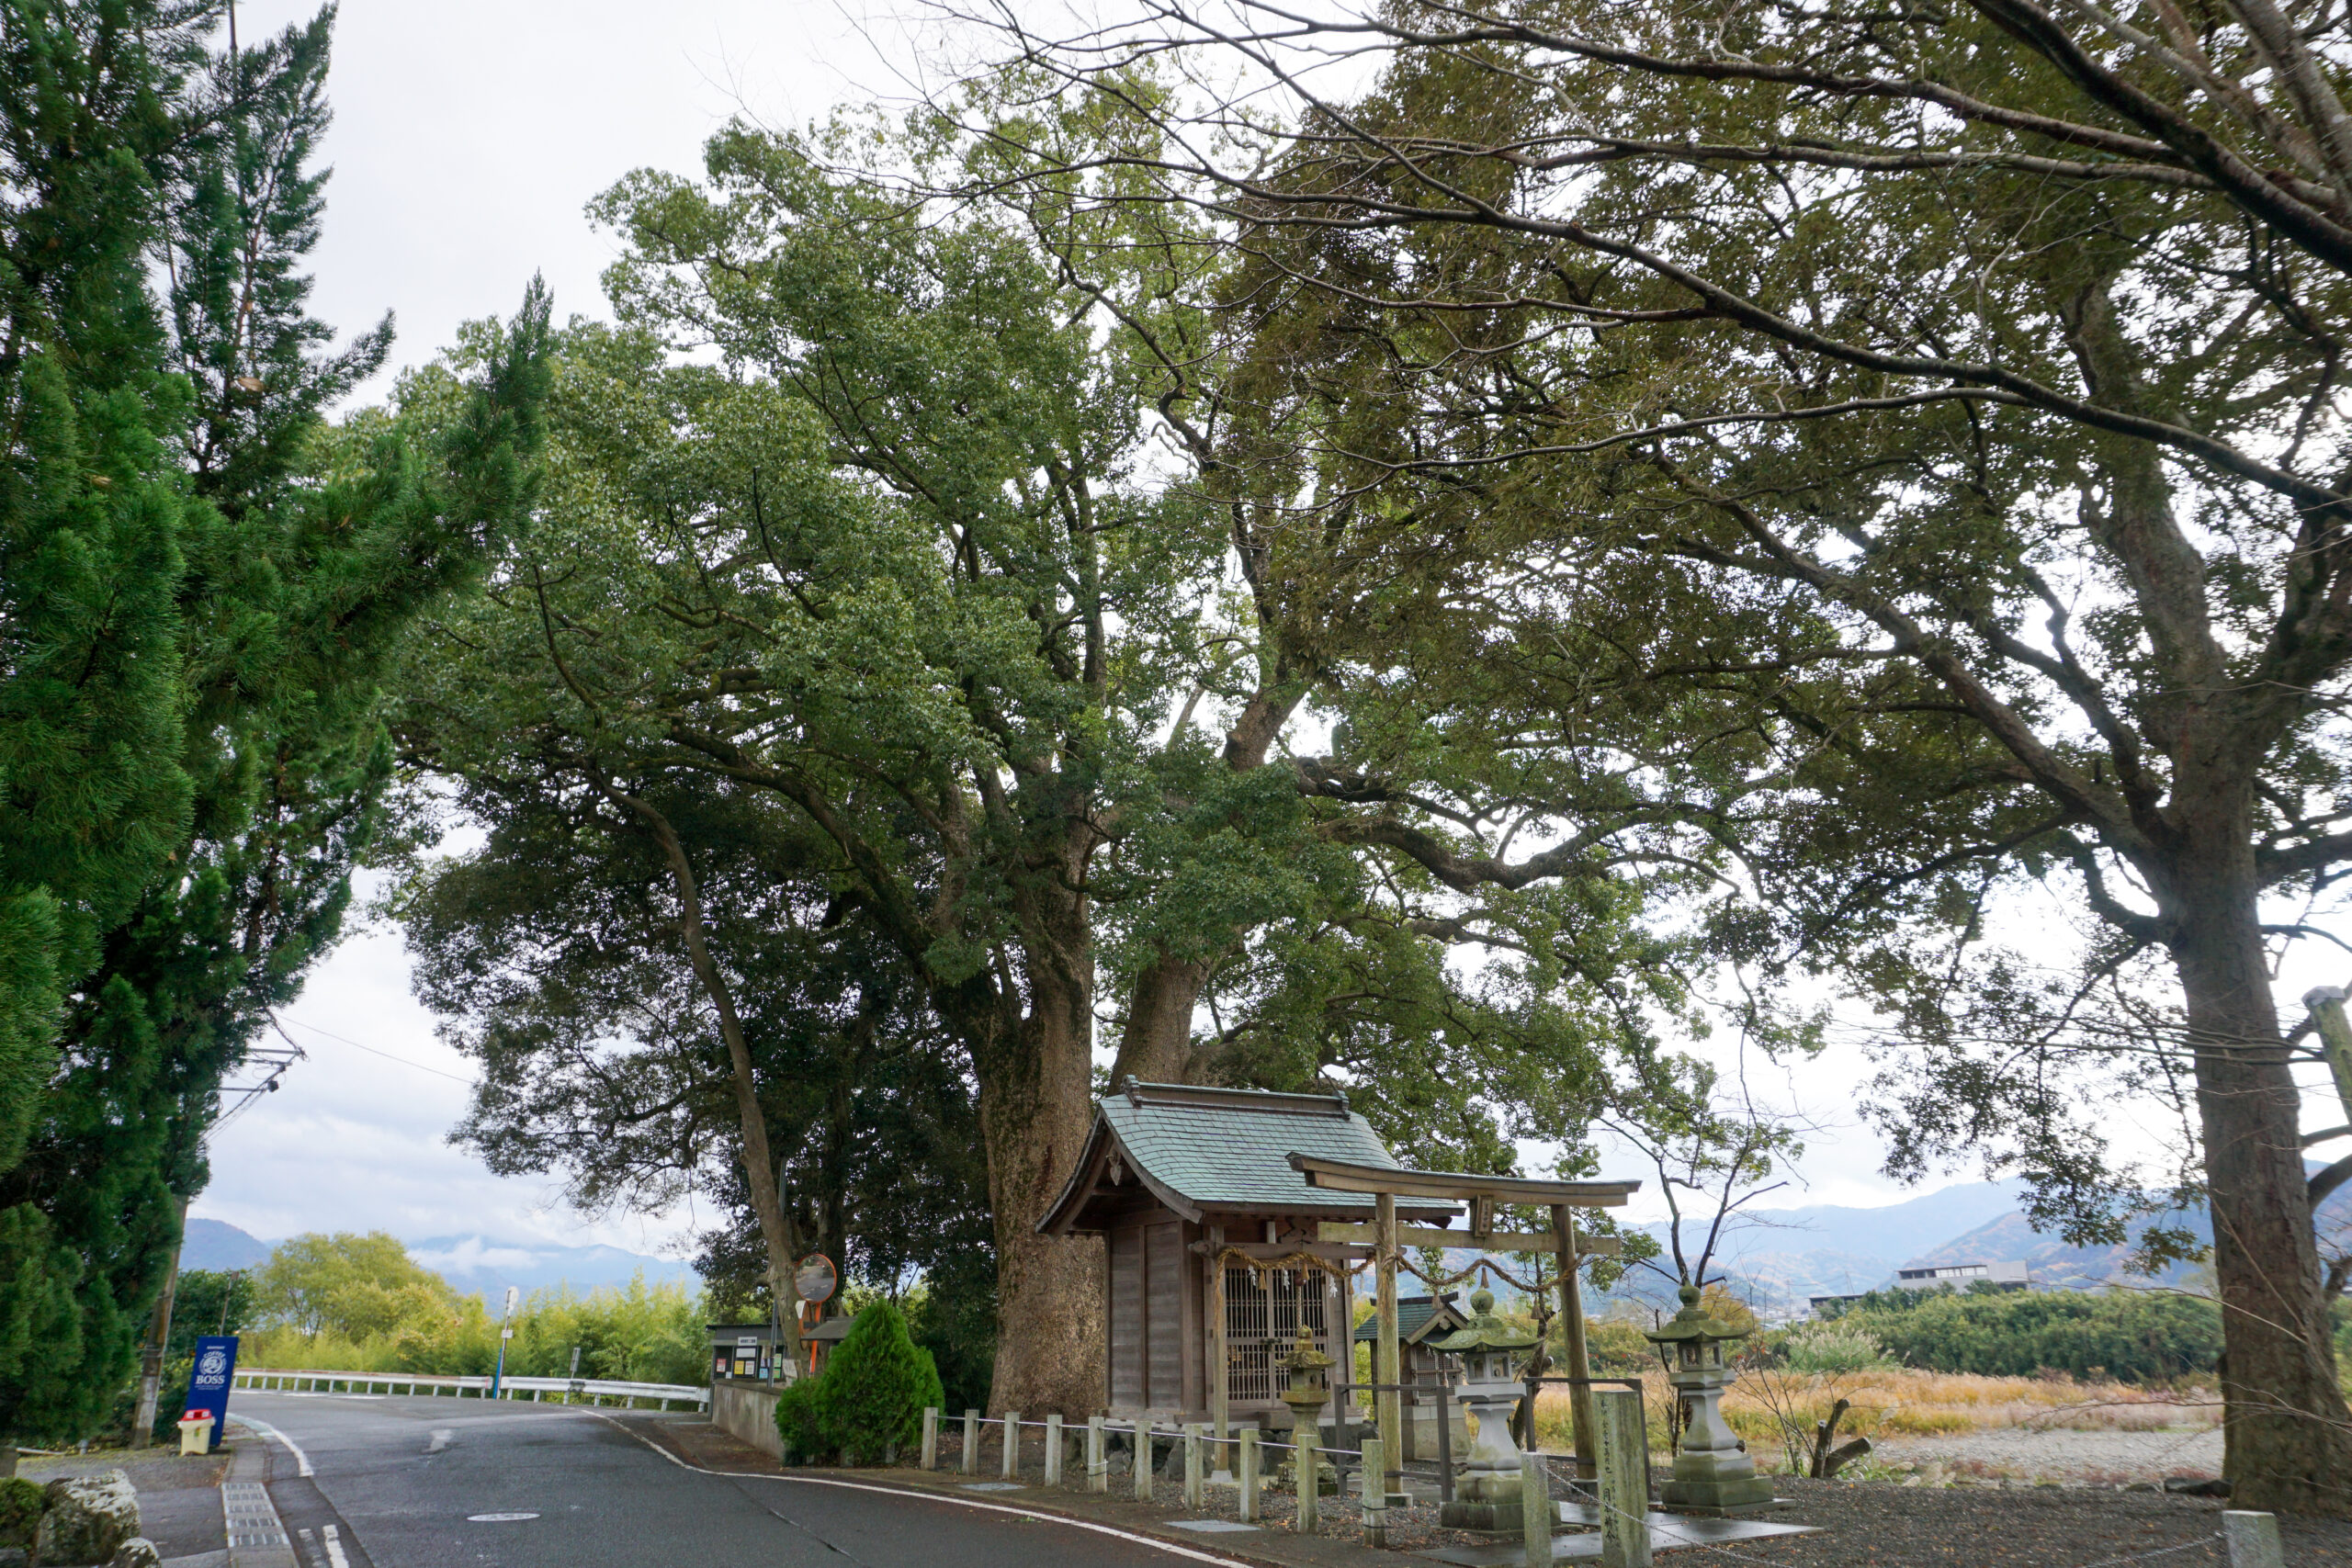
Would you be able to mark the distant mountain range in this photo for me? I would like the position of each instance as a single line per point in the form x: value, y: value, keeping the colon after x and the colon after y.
x: 474, y: 1264
x: 1777, y: 1259
x: 209, y: 1244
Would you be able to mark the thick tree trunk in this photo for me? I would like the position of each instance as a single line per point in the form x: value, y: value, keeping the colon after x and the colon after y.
x: 1157, y: 1044
x: 2287, y: 1438
x: 1037, y: 1103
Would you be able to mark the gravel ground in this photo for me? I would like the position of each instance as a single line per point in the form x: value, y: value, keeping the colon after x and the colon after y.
x: 1973, y: 1522
x: 2111, y: 1458
x: 1870, y: 1524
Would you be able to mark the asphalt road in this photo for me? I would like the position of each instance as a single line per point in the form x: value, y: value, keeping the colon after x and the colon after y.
x: 404, y: 1483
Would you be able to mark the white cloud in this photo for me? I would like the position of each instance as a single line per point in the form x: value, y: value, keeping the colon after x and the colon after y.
x: 474, y: 1253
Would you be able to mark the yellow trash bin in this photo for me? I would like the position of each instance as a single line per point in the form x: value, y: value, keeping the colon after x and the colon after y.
x: 196, y: 1432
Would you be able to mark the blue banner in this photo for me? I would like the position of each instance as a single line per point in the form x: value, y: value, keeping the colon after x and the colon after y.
x: 208, y: 1386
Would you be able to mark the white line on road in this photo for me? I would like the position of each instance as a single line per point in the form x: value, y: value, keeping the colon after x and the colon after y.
x: 335, y: 1559
x: 1153, y: 1541
x: 302, y: 1459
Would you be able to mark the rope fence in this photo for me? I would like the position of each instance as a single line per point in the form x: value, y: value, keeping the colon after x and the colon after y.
x: 1620, y: 1494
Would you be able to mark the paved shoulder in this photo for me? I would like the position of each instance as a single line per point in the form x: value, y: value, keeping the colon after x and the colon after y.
x: 426, y: 1482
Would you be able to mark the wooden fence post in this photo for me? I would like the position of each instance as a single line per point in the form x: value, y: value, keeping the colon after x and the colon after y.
x: 1054, y: 1448
x: 931, y: 1437
x: 1012, y: 1445
x: 1623, y: 1457
x: 1308, y: 1466
x: 1248, y: 1475
x: 971, y: 1465
x: 1098, y: 1466
x: 1374, y: 1487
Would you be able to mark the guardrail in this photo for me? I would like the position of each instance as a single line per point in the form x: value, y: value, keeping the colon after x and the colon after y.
x: 573, y: 1391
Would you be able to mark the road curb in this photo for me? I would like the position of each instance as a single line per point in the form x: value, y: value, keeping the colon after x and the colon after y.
x: 257, y: 1537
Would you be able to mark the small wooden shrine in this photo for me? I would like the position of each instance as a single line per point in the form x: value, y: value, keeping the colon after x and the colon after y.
x: 1233, y: 1219
x: 1421, y: 1322
x: 1216, y: 1259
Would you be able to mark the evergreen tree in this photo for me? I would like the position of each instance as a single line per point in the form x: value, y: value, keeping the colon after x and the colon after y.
x: 185, y: 518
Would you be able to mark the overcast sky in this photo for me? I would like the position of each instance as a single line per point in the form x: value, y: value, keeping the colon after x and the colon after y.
x: 467, y: 137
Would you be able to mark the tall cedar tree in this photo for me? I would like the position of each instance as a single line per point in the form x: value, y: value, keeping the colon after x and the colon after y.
x: 196, y: 626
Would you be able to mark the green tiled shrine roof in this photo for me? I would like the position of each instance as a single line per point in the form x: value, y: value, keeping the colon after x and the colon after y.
x: 1228, y: 1150
x: 1241, y: 1155
x: 1413, y: 1315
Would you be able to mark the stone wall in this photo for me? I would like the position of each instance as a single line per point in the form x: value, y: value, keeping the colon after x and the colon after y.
x: 747, y: 1408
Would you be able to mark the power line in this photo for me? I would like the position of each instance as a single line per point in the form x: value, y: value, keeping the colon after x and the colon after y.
x: 356, y: 1045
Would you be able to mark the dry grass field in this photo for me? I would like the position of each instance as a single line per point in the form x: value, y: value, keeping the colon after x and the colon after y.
x: 1901, y: 1403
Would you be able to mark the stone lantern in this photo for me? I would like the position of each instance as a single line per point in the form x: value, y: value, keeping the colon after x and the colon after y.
x: 1493, y: 1355
x: 1309, y: 1392
x: 1712, y: 1471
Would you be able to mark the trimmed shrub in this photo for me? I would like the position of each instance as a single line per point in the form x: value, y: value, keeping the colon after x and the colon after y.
x: 874, y: 1386
x: 20, y: 1502
x: 796, y: 1420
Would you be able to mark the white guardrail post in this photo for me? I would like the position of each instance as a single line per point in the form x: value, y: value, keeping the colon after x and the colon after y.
x: 321, y: 1380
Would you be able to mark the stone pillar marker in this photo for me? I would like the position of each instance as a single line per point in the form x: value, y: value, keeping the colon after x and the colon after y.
x: 931, y: 1437
x: 1098, y: 1465
x: 1054, y: 1448
x: 1193, y: 1467
x: 1623, y: 1451
x: 1248, y: 1463
x: 1373, y: 1486
x: 2253, y: 1538
x: 1143, y: 1459
x: 1535, y: 1509
x: 971, y: 1465
x: 1308, y: 1466
x: 1012, y: 1445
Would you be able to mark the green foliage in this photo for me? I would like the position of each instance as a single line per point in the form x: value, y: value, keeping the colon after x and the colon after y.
x: 193, y: 623
x: 20, y: 1504
x: 951, y: 1315
x: 1615, y: 1348
x: 209, y: 1302
x: 359, y: 1304
x: 2130, y: 1336
x: 870, y: 1398
x: 1844, y: 1345
x: 171, y: 1398
x: 348, y: 1285
x: 797, y: 1421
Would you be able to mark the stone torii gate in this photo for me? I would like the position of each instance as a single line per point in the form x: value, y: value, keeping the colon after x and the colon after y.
x: 1482, y: 1193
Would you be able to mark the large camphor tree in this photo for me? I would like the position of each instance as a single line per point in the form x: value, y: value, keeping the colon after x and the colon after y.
x: 1962, y: 388
x: 919, y: 566
x: 199, y: 588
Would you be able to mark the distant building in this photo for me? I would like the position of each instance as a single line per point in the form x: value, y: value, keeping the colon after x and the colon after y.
x: 2012, y: 1276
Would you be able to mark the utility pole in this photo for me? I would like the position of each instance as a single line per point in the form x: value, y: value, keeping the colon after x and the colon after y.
x: 159, y: 1325
x: 506, y: 1332
x: 159, y: 1336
